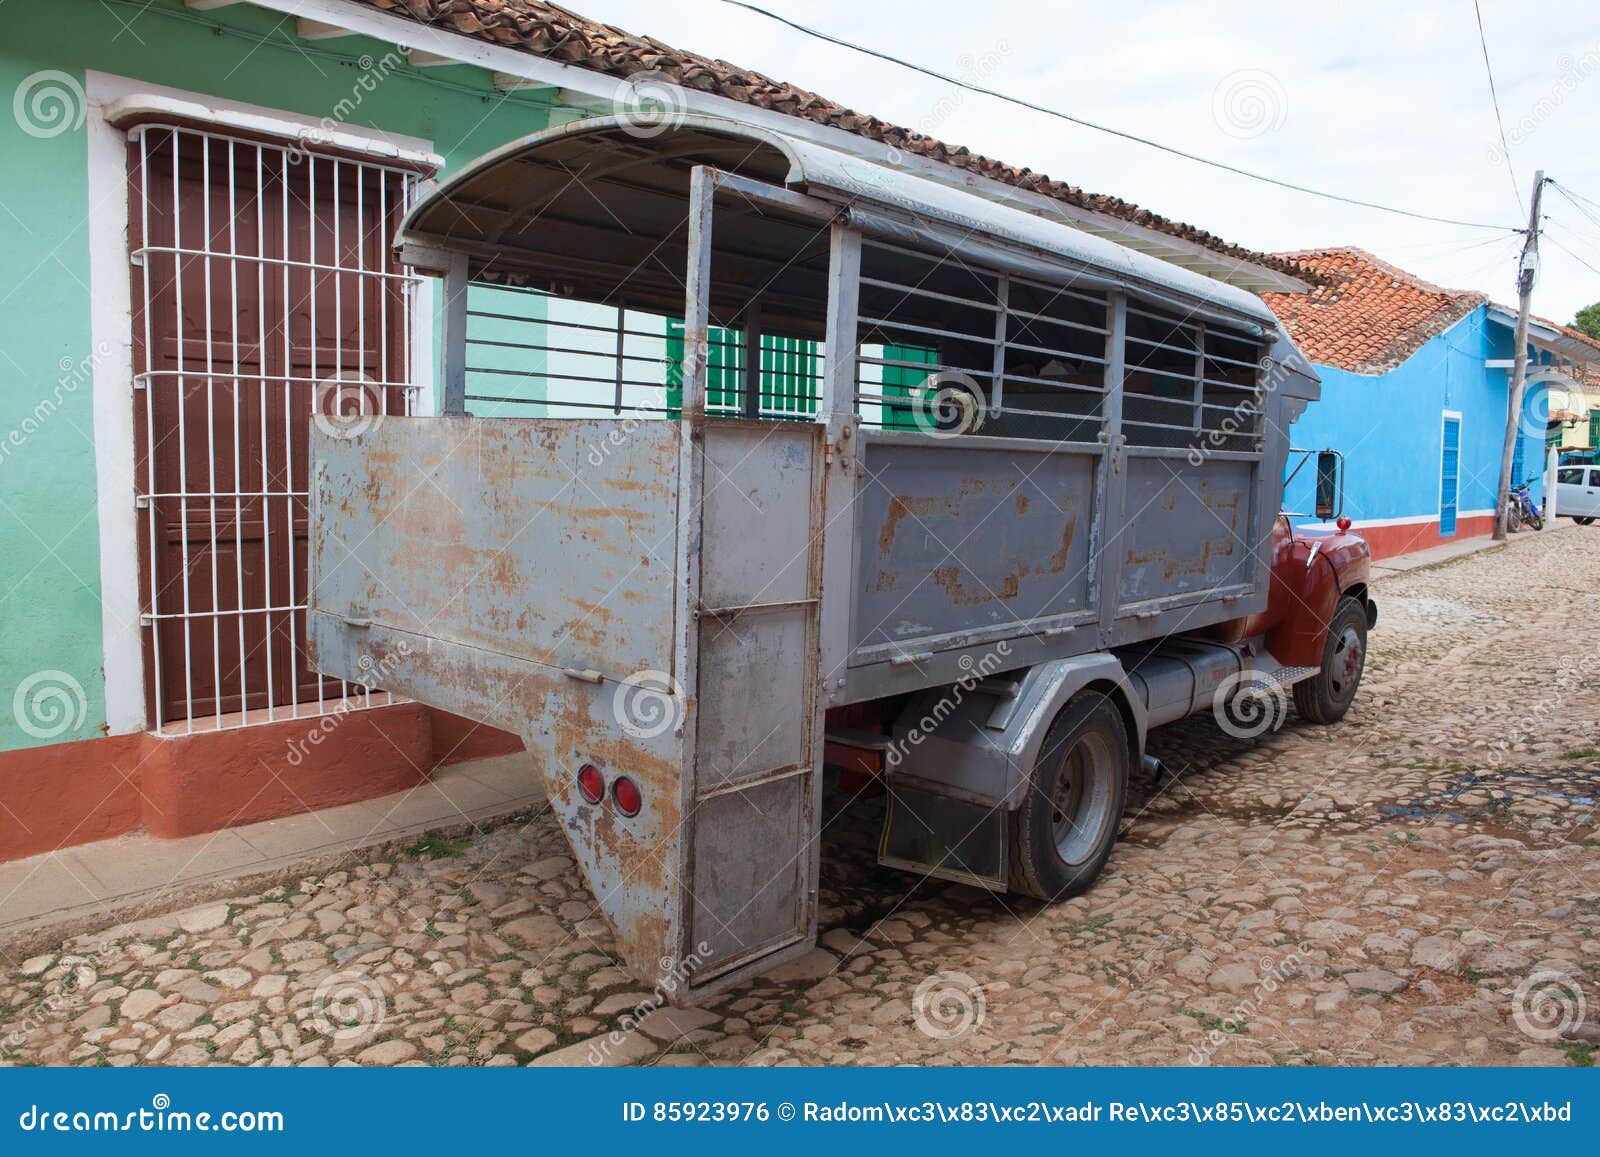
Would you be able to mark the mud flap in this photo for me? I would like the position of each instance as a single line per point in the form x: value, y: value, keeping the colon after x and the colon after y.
x: 949, y: 839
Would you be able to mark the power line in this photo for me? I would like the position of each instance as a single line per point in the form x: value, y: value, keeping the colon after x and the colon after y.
x: 1505, y: 149
x: 1127, y: 136
x: 1557, y: 243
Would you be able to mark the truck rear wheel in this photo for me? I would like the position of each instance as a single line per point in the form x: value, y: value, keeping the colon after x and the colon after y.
x: 1063, y: 833
x: 1326, y: 696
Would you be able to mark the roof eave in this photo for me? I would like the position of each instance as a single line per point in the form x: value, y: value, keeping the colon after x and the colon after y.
x: 1543, y: 335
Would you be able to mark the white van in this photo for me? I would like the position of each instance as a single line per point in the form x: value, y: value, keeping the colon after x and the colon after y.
x: 1578, y: 493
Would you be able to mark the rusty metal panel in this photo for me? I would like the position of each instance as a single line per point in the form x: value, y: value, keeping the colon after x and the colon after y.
x: 552, y: 541
x: 961, y: 540
x: 1186, y: 528
x: 750, y: 873
x: 519, y: 572
x: 755, y: 759
x: 630, y: 864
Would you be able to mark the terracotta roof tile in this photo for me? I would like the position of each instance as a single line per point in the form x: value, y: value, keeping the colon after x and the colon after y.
x: 554, y: 32
x: 1367, y: 316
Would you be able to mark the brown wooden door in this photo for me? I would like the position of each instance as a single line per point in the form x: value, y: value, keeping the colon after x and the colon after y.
x: 263, y: 291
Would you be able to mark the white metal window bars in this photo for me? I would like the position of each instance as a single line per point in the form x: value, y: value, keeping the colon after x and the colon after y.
x: 245, y: 254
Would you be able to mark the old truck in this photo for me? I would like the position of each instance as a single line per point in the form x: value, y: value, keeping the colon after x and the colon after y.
x: 752, y: 453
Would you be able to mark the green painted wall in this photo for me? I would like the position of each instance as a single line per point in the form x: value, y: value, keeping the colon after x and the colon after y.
x: 50, y: 611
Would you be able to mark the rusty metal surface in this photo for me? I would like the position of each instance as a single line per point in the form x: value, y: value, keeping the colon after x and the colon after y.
x: 477, y: 566
x: 551, y: 541
x: 755, y: 758
x: 1186, y: 528
x: 963, y: 537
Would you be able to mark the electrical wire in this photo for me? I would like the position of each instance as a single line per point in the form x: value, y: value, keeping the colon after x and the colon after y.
x: 1557, y: 243
x: 1127, y: 136
x: 1494, y: 95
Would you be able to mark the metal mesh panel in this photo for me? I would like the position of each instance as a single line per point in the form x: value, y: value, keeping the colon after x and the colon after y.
x: 265, y: 298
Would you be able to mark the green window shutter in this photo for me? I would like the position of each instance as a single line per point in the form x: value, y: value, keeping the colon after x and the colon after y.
x: 898, y: 382
x: 789, y: 382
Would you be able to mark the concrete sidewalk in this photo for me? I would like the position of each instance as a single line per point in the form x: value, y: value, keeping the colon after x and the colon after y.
x: 1450, y: 551
x: 58, y: 894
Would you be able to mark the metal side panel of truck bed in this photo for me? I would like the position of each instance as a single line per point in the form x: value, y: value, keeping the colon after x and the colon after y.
x: 624, y: 597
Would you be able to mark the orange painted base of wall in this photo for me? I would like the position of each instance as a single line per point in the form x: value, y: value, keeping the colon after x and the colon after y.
x: 182, y: 785
x: 1388, y: 541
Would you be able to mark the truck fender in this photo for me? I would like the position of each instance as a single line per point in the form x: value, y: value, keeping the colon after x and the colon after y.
x: 977, y: 742
x: 1056, y: 683
x: 1297, y: 640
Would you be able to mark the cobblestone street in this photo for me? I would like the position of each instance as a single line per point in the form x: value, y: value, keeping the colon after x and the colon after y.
x: 1419, y: 884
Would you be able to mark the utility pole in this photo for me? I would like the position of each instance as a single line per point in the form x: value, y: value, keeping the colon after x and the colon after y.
x: 1527, y: 269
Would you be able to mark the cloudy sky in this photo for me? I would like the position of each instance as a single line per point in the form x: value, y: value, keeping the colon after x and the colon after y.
x: 1370, y: 100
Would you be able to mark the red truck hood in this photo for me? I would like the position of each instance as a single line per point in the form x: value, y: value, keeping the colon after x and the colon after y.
x: 1345, y: 549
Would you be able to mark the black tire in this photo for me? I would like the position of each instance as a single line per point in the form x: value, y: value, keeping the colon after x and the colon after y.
x: 1062, y: 835
x: 1513, y: 518
x: 1584, y: 521
x: 1327, y: 695
x: 1536, y: 521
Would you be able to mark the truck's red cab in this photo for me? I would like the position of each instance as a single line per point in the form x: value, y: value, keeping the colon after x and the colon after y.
x: 1311, y: 572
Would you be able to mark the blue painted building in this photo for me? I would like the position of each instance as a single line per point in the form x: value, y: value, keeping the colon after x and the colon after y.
x: 1415, y: 381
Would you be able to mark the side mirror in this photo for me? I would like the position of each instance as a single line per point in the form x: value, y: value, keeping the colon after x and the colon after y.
x: 1329, y: 490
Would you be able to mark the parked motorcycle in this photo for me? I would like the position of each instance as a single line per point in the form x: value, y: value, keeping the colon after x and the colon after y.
x: 1522, y: 510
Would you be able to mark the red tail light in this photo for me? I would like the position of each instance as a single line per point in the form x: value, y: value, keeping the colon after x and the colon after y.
x: 591, y: 783
x: 1342, y: 523
x: 626, y: 794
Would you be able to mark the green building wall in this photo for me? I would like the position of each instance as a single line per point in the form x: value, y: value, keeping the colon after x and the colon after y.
x: 50, y: 605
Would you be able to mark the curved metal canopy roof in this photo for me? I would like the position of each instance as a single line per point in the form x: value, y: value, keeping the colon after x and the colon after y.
x: 602, y: 202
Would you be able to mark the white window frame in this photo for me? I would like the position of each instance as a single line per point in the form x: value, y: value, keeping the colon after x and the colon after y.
x: 111, y: 344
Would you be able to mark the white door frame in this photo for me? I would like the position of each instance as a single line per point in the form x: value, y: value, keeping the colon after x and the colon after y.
x: 111, y: 343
